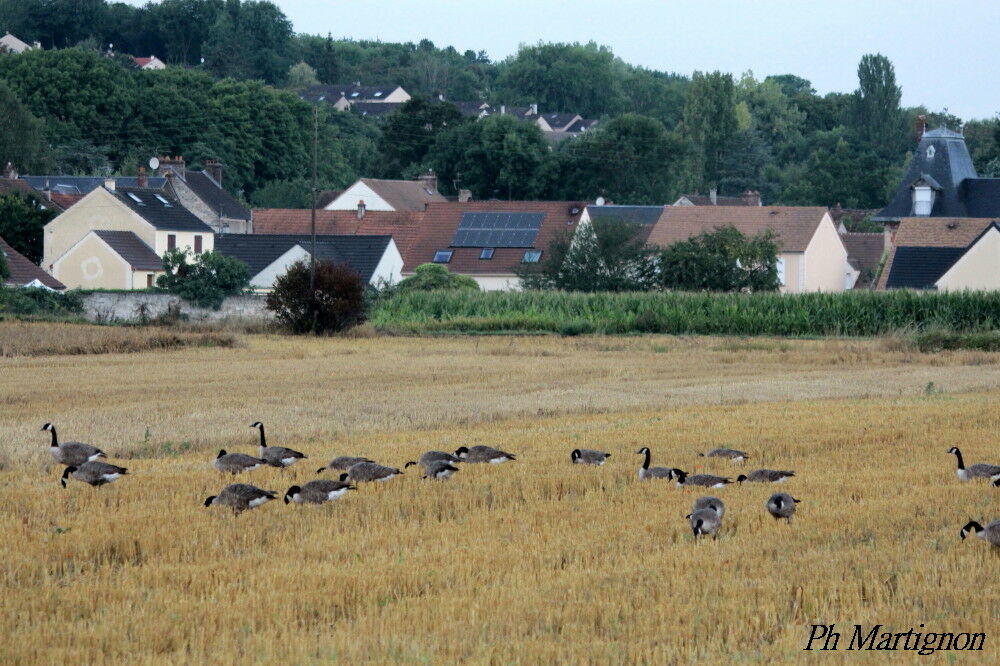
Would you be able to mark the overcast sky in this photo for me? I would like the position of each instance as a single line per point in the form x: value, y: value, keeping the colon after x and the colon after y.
x: 945, y: 52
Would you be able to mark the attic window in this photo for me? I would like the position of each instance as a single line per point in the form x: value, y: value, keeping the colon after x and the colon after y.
x: 354, y: 94
x: 487, y: 253
x: 378, y: 94
x: 136, y: 199
x: 531, y: 256
x: 442, y: 256
x: 162, y: 200
x: 930, y: 152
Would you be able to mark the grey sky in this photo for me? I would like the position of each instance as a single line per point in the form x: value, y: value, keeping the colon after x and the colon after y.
x: 944, y: 51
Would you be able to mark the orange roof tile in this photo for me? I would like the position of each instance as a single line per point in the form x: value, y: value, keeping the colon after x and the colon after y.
x: 794, y: 225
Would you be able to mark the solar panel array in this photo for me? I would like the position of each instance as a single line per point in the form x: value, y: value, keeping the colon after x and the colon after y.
x: 497, y: 230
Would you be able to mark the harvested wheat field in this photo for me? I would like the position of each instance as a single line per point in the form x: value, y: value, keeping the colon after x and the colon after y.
x: 533, y: 561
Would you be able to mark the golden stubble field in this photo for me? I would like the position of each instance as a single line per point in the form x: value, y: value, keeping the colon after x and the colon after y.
x: 536, y: 561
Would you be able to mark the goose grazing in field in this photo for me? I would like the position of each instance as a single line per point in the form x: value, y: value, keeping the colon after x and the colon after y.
x: 276, y: 456
x: 705, y: 522
x: 704, y: 480
x: 365, y: 472
x: 343, y: 463
x: 709, y: 502
x: 94, y: 472
x: 439, y: 469
x: 588, y: 457
x: 765, y: 476
x: 435, y: 456
x: 319, y: 491
x: 722, y: 452
x: 647, y: 472
x: 241, y: 496
x: 990, y: 534
x: 482, y: 454
x: 71, y: 453
x: 781, y: 505
x: 977, y: 471
x: 234, y: 463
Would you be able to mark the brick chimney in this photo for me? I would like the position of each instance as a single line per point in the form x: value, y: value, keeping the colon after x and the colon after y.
x: 751, y: 198
x: 174, y: 164
x: 713, y: 196
x: 361, y: 209
x: 464, y: 196
x: 109, y: 184
x: 213, y: 168
x: 141, y: 180
x: 429, y: 181
x: 921, y: 127
x: 534, y: 109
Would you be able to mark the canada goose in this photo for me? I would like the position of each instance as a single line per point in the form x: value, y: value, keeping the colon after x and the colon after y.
x: 94, y: 472
x: 709, y: 502
x: 439, y: 469
x: 996, y: 482
x: 588, y: 457
x: 990, y: 534
x: 722, y: 452
x: 370, y: 471
x: 977, y: 471
x: 705, y: 480
x: 276, y: 456
x: 430, y: 457
x: 241, y: 496
x: 781, y: 505
x: 765, y: 476
x: 647, y: 472
x: 234, y: 463
x: 482, y: 454
x: 705, y: 522
x: 343, y: 463
x: 319, y: 491
x: 71, y: 453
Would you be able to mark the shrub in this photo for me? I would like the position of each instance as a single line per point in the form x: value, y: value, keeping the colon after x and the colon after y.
x: 427, y: 277
x: 938, y: 340
x: 4, y: 268
x: 39, y: 302
x: 206, y: 281
x: 336, y: 304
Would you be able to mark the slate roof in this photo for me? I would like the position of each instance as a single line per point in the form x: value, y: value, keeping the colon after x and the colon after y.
x: 920, y: 267
x: 353, y: 93
x: 471, y: 108
x: 404, y: 194
x: 581, y: 125
x: 218, y: 199
x: 403, y: 226
x: 795, y: 226
x: 132, y: 249
x: 23, y: 271
x: 932, y: 232
x: 85, y: 184
x: 375, y: 109
x: 362, y: 253
x: 8, y: 185
x: 559, y: 121
x: 864, y: 252
x: 169, y: 216
x: 981, y: 197
x: 441, y: 220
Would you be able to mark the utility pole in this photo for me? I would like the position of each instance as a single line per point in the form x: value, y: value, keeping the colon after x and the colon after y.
x: 312, y: 250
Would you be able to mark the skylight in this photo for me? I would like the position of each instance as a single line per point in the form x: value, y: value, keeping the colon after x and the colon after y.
x: 378, y: 94
x: 355, y: 94
x: 442, y: 256
x: 135, y: 198
x: 532, y: 256
x: 162, y: 200
x: 487, y: 253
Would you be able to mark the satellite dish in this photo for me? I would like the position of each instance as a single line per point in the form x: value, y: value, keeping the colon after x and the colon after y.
x: 600, y: 201
x: 154, y: 163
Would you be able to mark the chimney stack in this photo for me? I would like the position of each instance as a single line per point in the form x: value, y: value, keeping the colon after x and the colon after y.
x: 109, y: 184
x: 921, y: 127
x: 9, y: 171
x: 534, y: 109
x: 713, y: 195
x: 141, y: 180
x: 214, y: 169
x: 429, y: 181
x: 464, y: 196
x: 172, y: 164
x: 751, y: 198
x: 361, y: 209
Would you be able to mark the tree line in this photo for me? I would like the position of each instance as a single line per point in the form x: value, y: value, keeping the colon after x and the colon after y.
x: 237, y: 67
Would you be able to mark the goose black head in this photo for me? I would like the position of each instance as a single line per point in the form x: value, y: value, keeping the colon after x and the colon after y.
x: 778, y: 501
x: 343, y: 477
x: 290, y: 494
x: 48, y: 426
x: 954, y: 450
x: 222, y: 452
x: 209, y: 500
x: 321, y: 470
x: 741, y: 478
x: 461, y: 452
x: 678, y: 474
x: 65, y: 475
x: 996, y: 484
x: 643, y: 450
x: 411, y: 462
x: 256, y: 424
x: 574, y: 455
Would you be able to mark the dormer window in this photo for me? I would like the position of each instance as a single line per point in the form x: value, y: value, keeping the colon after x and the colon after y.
x: 930, y: 152
x: 923, y: 200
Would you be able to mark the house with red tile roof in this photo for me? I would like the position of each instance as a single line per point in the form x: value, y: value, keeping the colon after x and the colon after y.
x: 24, y: 273
x: 152, y: 62
x: 374, y: 194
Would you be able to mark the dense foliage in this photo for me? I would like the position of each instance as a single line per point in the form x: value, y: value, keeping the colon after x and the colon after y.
x: 236, y: 67
x: 22, y: 221
x: 428, y: 277
x: 207, y: 280
x: 854, y: 313
x: 39, y: 302
x: 720, y: 260
x: 335, y: 303
x: 4, y: 267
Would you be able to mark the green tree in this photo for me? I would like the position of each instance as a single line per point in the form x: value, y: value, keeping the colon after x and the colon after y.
x: 709, y: 124
x: 22, y: 139
x: 838, y: 173
x: 250, y: 39
x: 601, y: 256
x: 4, y: 268
x: 878, y: 121
x: 301, y: 75
x: 334, y: 303
x: 206, y: 281
x: 721, y: 260
x: 183, y: 26
x: 427, y: 277
x: 496, y: 157
x: 22, y: 223
x: 410, y: 131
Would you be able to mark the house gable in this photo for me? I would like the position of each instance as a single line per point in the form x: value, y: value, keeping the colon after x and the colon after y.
x: 978, y: 267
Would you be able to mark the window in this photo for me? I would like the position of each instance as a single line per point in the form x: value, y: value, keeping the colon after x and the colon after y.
x: 149, y: 279
x: 923, y: 200
x: 163, y: 201
x: 487, y: 253
x: 197, y: 244
x: 135, y: 198
x: 442, y: 256
x: 780, y: 266
x: 171, y: 241
x: 531, y: 256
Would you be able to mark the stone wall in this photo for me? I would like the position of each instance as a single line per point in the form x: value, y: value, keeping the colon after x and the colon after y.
x: 140, y: 306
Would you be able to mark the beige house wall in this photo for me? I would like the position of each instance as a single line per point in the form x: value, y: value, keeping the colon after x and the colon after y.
x: 98, y: 210
x: 794, y: 265
x: 91, y: 264
x: 978, y: 268
x: 349, y: 198
x: 140, y: 278
x: 185, y: 239
x: 397, y: 96
x: 826, y: 267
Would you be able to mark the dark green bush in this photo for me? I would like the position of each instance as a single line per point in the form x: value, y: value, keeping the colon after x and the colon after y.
x: 39, y: 302
x: 337, y: 302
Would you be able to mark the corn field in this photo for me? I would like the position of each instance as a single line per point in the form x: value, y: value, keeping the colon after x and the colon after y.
x: 864, y: 313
